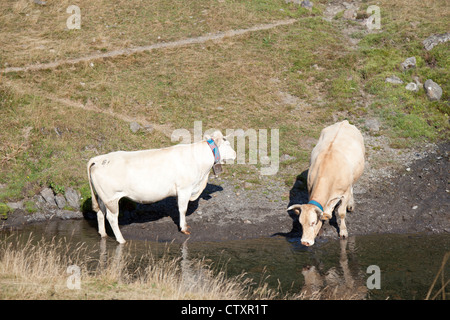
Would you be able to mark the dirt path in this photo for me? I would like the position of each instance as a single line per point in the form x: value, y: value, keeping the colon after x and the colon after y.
x: 209, y: 37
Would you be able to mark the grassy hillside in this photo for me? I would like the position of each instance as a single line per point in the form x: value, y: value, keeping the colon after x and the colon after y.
x: 297, y: 78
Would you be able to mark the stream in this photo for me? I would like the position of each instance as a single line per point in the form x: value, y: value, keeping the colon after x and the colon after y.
x: 393, y: 266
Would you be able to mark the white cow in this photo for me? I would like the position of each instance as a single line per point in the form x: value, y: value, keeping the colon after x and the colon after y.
x: 152, y: 175
x: 337, y: 162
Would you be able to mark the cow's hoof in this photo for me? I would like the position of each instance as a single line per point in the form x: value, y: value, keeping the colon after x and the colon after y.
x: 186, y: 231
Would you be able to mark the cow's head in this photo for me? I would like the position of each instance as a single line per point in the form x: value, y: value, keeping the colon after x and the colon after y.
x: 309, y: 218
x: 225, y: 149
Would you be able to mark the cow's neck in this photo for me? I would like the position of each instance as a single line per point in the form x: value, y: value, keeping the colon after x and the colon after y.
x: 214, y: 149
x: 320, y: 192
x: 217, y: 167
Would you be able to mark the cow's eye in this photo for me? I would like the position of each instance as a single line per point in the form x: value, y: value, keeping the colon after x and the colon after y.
x: 313, y: 224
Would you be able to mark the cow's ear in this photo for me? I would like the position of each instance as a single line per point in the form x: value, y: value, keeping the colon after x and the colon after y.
x: 217, y: 137
x: 318, y: 212
x: 296, y: 207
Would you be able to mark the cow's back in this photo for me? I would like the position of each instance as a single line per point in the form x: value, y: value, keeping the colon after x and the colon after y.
x: 345, y: 142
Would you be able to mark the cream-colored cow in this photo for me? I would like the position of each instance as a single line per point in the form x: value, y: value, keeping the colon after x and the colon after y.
x: 337, y: 162
x: 152, y: 175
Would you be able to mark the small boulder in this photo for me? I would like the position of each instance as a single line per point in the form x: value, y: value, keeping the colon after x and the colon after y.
x: 60, y: 201
x: 412, y: 87
x: 408, y: 63
x: 432, y: 41
x: 48, y: 196
x: 134, y: 127
x: 433, y: 90
x: 73, y: 198
x: 394, y: 80
x: 373, y: 125
x: 307, y: 4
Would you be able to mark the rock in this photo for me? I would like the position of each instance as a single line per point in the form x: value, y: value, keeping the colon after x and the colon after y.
x: 350, y: 14
x: 432, y: 41
x: 39, y: 2
x: 15, y: 205
x: 134, y: 127
x: 149, y: 128
x: 433, y: 90
x: 412, y: 87
x: 373, y: 125
x: 48, y: 196
x: 394, y: 80
x: 67, y: 214
x: 307, y: 4
x: 286, y: 157
x: 417, y: 81
x: 73, y: 198
x: 60, y: 201
x: 408, y: 63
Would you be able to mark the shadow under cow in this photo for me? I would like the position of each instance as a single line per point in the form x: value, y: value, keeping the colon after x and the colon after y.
x: 133, y: 212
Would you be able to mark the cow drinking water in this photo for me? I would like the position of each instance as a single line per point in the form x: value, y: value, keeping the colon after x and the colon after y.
x: 337, y: 162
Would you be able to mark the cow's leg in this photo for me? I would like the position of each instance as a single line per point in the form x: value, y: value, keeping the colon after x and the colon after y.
x: 183, y: 201
x: 342, y: 211
x: 112, y: 214
x: 101, y: 223
x: 351, y: 201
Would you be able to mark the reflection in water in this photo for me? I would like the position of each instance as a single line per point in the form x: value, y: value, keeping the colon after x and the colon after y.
x: 331, y: 269
x: 337, y: 282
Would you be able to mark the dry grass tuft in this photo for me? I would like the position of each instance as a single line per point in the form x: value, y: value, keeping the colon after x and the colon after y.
x: 442, y: 291
x: 39, y: 270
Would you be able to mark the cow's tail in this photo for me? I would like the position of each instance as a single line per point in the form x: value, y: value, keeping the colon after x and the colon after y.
x: 95, y: 205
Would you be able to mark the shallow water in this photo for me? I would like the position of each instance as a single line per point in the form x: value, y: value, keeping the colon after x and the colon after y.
x: 407, y: 263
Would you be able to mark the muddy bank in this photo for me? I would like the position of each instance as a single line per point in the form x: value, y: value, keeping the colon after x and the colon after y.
x: 413, y: 198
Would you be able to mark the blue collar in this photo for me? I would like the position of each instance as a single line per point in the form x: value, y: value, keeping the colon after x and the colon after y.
x: 318, y: 205
x: 215, y: 150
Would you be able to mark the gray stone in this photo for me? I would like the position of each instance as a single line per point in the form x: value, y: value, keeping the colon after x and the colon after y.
x: 350, y: 14
x: 134, y: 127
x: 373, y: 125
x: 15, y: 205
x: 394, y: 80
x: 149, y: 128
x: 412, y: 87
x: 408, y: 63
x: 432, y: 41
x: 433, y: 90
x: 417, y: 81
x: 48, y: 196
x: 286, y: 157
x: 73, y: 198
x: 307, y: 4
x: 60, y: 201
